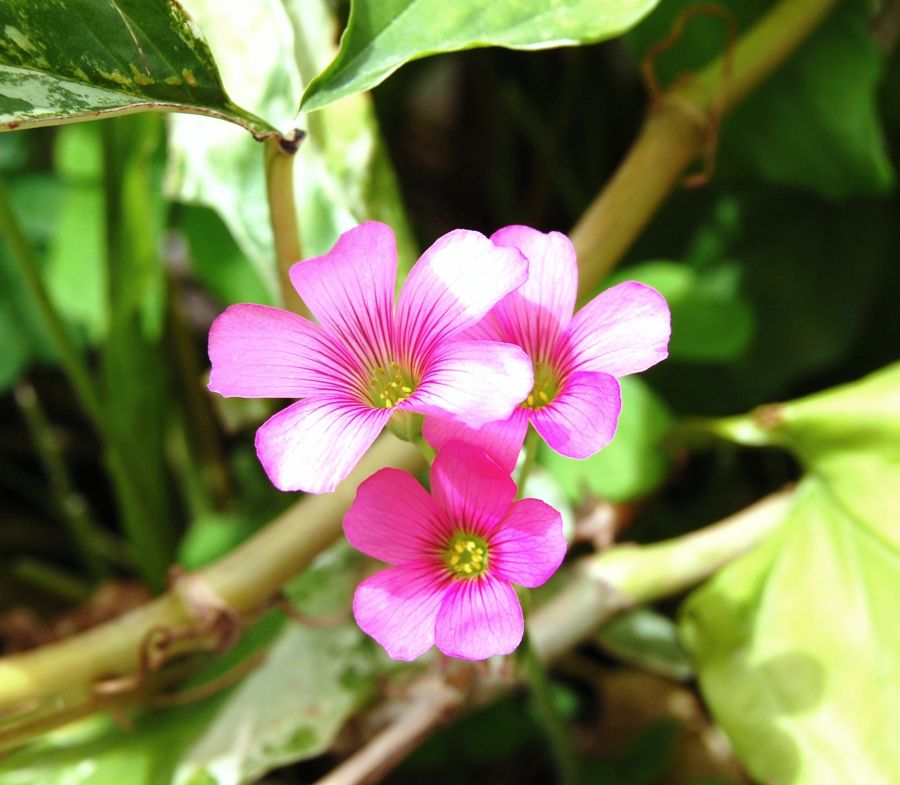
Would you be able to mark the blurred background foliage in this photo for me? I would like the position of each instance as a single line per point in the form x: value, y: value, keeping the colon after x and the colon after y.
x: 783, y: 278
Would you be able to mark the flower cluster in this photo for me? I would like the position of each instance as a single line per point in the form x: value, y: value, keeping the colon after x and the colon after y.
x: 481, y: 342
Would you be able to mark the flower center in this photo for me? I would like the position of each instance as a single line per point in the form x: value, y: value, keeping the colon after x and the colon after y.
x: 546, y: 385
x: 466, y: 555
x: 389, y: 385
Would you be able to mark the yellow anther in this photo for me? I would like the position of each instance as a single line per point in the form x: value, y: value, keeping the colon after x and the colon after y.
x: 546, y: 385
x: 466, y: 555
x: 388, y: 403
x: 407, y: 390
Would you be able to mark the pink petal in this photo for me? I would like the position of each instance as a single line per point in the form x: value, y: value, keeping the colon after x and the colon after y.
x: 528, y: 546
x: 473, y: 381
x: 474, y: 492
x: 622, y: 330
x: 350, y: 290
x: 262, y: 352
x: 314, y: 444
x: 398, y: 607
x: 453, y: 285
x: 537, y: 313
x: 479, y: 618
x: 502, y: 440
x: 582, y: 419
x: 394, y: 519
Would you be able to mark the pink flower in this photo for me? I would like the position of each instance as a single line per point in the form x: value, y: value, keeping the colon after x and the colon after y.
x: 575, y: 401
x: 454, y: 554
x: 364, y: 360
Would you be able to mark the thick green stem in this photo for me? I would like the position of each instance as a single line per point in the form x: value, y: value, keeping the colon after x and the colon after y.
x: 243, y: 580
x: 283, y: 215
x: 674, y: 134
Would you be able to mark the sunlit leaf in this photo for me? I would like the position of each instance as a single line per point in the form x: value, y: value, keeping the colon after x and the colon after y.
x: 80, y: 59
x: 382, y: 35
x: 796, y: 645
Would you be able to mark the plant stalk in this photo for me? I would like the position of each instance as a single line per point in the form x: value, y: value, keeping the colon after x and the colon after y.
x: 674, y: 134
x: 279, y: 164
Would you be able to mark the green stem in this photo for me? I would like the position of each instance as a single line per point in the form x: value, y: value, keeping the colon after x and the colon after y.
x: 244, y: 580
x: 86, y: 534
x: 279, y: 164
x: 532, y: 442
x: 554, y: 726
x: 673, y: 136
x: 73, y: 361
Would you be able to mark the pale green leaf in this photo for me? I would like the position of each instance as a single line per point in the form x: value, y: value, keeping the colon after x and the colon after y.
x: 796, y: 644
x: 382, y: 35
x: 68, y: 60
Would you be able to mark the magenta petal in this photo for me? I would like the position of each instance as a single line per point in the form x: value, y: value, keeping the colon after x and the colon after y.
x: 314, y: 444
x: 582, y: 419
x: 473, y: 490
x: 479, y: 618
x: 453, y: 285
x: 528, y: 546
x: 398, y: 607
x: 539, y: 311
x: 622, y: 330
x: 394, y: 519
x: 473, y: 381
x: 350, y: 290
x: 502, y: 439
x: 262, y: 352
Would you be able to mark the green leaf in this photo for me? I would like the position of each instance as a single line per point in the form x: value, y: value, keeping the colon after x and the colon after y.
x: 288, y: 709
x: 342, y: 176
x: 796, y: 645
x: 632, y: 465
x: 649, y: 640
x: 23, y: 340
x: 814, y: 123
x: 711, y: 319
x: 63, y: 62
x: 75, y: 270
x: 382, y: 35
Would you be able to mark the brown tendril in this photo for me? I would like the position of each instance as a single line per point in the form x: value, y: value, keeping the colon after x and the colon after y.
x: 710, y: 120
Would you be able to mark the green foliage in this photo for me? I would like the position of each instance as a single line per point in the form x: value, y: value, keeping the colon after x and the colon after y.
x: 80, y: 60
x: 382, y: 35
x: 267, y: 51
x: 633, y: 465
x: 647, y: 640
x: 815, y: 125
x: 795, y: 644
